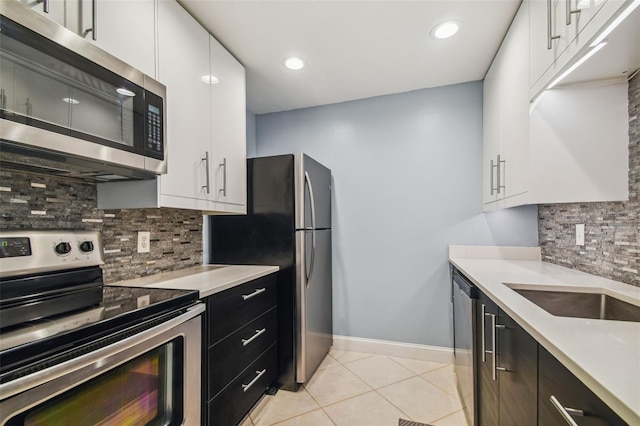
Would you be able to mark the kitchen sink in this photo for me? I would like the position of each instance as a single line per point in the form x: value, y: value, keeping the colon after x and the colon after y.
x: 582, y: 305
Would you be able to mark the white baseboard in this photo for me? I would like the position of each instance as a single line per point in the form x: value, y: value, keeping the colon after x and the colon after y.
x: 401, y: 350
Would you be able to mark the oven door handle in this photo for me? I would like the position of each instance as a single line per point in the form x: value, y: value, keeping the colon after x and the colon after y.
x: 106, y: 358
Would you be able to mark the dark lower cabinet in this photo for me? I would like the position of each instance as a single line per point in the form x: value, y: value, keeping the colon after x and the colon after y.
x: 235, y: 400
x: 554, y: 380
x: 518, y: 364
x: 507, y: 373
x: 517, y: 379
x: 487, y: 377
x: 240, y: 349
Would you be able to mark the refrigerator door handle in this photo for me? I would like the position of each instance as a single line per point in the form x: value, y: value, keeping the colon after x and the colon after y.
x: 307, y: 182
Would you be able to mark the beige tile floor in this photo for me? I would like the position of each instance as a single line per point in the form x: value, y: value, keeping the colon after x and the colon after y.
x: 360, y: 389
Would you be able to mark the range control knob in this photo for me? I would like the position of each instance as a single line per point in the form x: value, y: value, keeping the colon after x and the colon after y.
x: 62, y: 248
x: 86, y: 247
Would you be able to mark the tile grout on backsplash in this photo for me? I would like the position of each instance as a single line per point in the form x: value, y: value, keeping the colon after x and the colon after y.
x: 42, y: 202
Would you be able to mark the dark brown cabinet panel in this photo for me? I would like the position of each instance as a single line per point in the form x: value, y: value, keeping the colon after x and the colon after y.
x: 518, y: 371
x: 240, y: 349
x: 233, y: 403
x: 231, y: 309
x: 232, y: 354
x: 487, y: 380
x: 507, y: 373
x: 554, y: 379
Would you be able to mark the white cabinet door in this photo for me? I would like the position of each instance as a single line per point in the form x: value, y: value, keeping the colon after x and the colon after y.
x: 515, y: 106
x: 183, y: 50
x: 580, y: 145
x: 228, y: 124
x: 506, y: 118
x: 548, y: 35
x: 492, y: 122
x: 54, y: 10
x: 126, y: 29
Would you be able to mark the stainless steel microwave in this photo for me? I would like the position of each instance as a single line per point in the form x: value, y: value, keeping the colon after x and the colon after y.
x: 70, y: 108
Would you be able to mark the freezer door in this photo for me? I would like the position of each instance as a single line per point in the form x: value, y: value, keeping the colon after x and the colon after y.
x: 313, y: 193
x: 314, y: 301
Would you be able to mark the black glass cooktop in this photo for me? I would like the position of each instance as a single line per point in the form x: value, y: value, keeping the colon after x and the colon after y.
x: 120, y: 308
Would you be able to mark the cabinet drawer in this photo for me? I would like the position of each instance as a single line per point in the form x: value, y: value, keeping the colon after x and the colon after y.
x: 231, y: 309
x: 231, y: 355
x: 554, y: 379
x: 233, y: 403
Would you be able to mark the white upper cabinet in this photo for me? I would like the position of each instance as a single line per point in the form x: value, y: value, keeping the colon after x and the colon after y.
x: 491, y: 137
x: 183, y: 53
x: 560, y: 30
x: 206, y: 124
x: 228, y: 128
x: 515, y: 107
x: 125, y: 29
x: 505, y: 118
x: 579, y: 144
x: 54, y: 10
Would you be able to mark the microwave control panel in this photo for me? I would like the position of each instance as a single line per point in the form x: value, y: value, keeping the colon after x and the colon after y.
x: 154, y: 135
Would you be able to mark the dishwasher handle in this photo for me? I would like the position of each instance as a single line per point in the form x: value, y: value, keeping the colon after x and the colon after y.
x: 465, y: 285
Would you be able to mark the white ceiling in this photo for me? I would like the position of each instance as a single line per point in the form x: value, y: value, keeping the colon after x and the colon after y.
x: 353, y: 49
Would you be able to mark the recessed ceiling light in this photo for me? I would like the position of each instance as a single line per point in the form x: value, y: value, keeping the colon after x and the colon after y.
x: 209, y: 79
x: 125, y: 92
x: 71, y: 101
x: 445, y: 29
x: 294, y: 63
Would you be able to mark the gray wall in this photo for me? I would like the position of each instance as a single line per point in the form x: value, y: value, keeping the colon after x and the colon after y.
x: 407, y: 183
x: 251, y: 135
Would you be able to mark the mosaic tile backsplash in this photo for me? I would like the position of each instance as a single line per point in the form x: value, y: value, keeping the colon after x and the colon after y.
x: 47, y: 202
x: 612, y: 230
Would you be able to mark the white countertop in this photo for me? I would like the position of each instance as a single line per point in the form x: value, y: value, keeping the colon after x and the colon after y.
x: 605, y: 355
x: 207, y: 279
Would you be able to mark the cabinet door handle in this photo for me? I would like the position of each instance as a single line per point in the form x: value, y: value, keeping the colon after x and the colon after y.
x: 491, y: 182
x: 94, y: 19
x: 224, y: 177
x: 245, y: 342
x: 255, y: 379
x: 496, y: 327
x: 45, y: 5
x: 570, y: 12
x: 498, y: 172
x: 494, y: 371
x: 566, y: 412
x: 255, y: 293
x: 550, y: 36
x: 206, y: 170
x: 484, y: 345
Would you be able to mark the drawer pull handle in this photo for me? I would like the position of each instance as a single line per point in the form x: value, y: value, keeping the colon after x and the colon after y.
x: 245, y: 342
x: 255, y: 293
x: 566, y: 412
x: 255, y: 379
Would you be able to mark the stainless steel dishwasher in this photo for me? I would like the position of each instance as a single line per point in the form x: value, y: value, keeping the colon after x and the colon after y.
x: 464, y: 296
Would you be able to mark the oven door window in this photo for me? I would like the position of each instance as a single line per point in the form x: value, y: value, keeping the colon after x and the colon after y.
x: 144, y: 391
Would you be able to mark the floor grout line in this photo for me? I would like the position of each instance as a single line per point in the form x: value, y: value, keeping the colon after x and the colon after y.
x: 395, y: 406
x: 372, y: 389
x: 321, y: 407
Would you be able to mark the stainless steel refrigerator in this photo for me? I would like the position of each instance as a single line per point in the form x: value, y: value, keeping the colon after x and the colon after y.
x: 288, y: 224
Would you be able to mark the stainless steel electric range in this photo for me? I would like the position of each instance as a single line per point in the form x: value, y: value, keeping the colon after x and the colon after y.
x: 76, y: 351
